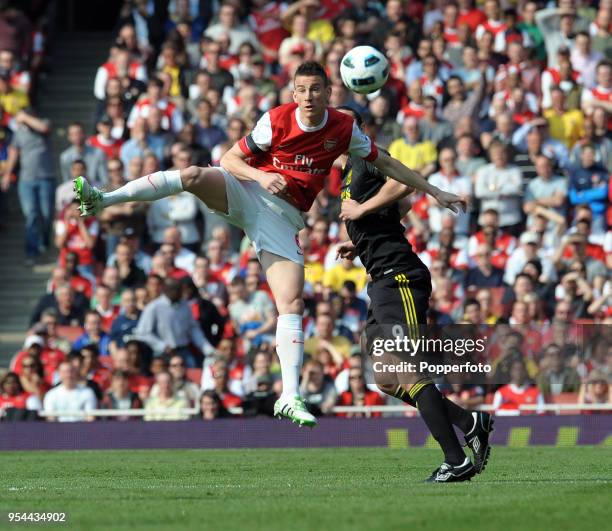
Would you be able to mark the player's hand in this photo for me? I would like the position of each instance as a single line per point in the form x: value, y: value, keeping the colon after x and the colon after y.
x: 274, y: 183
x: 451, y: 201
x: 346, y: 250
x: 351, y: 210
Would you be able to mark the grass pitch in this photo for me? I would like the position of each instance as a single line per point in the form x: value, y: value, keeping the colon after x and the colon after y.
x: 317, y: 489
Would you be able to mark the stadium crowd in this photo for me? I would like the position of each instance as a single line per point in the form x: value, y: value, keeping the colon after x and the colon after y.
x: 164, y: 307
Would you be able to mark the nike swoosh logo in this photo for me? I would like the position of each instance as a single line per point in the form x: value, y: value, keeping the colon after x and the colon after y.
x: 297, y: 341
x: 151, y: 182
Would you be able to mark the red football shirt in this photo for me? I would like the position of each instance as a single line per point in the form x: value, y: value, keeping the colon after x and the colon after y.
x: 304, y: 155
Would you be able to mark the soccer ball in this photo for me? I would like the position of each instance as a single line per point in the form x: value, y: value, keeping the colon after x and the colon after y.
x: 364, y: 69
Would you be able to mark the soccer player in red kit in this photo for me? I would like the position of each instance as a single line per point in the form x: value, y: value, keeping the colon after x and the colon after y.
x: 264, y: 183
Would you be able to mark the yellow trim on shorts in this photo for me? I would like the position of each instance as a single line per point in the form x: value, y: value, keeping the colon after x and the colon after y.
x: 404, y: 302
x: 411, y: 317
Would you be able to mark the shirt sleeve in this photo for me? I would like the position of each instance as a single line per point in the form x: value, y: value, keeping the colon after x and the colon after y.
x: 260, y: 139
x: 362, y: 145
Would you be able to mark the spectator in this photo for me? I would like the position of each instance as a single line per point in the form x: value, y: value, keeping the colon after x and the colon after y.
x: 253, y: 314
x: 166, y: 404
x: 359, y: 395
x: 93, y: 335
x: 585, y: 59
x: 518, y: 392
x: 221, y: 379
x: 31, y: 148
x: 183, y: 388
x: 557, y: 24
x: 530, y: 249
x: 105, y: 298
x: 460, y: 104
x: 15, y: 403
x: 48, y: 329
x: 449, y: 178
x: 534, y: 136
x: 12, y: 100
x: 484, y: 274
x: 589, y: 184
x: 546, y: 190
x: 557, y: 378
x: 325, y: 333
x: 94, y: 158
x: 130, y: 275
x: 104, y: 140
x: 211, y: 407
x: 70, y: 309
x: 32, y: 378
x: 184, y: 258
x: 229, y: 24
x: 205, y: 312
x: 566, y: 125
x: 172, y: 117
x: 167, y: 326
x: 346, y: 270
x: 596, y: 390
x: 317, y: 390
x: 599, y: 97
x: 498, y: 185
x: 431, y: 127
x: 125, y: 322
x: 207, y: 134
x: 63, y: 401
x: 411, y: 151
x: 119, y: 396
x: 76, y: 234
x: 179, y: 211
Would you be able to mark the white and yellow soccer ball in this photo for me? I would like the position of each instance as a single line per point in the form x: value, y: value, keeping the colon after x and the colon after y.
x: 364, y: 69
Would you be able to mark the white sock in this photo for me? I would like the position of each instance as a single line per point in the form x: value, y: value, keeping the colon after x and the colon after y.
x: 148, y: 188
x: 290, y: 350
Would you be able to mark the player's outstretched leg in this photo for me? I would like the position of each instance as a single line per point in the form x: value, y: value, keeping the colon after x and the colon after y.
x: 286, y: 280
x: 476, y: 425
x: 208, y: 184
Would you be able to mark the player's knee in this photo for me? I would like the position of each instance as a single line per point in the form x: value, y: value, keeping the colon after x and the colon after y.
x: 294, y: 306
x: 388, y: 389
x: 191, y: 177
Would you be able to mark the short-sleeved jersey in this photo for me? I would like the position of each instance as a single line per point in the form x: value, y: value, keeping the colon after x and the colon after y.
x: 304, y: 155
x: 378, y: 237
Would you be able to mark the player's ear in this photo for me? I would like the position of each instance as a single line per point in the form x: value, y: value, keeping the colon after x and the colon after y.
x: 294, y: 94
x: 328, y: 91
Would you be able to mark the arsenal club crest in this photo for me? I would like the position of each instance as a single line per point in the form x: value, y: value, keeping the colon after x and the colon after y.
x: 330, y: 144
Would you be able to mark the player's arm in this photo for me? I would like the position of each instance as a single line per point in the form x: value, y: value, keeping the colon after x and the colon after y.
x: 11, y: 163
x: 396, y: 170
x: 390, y: 192
x: 258, y: 141
x: 363, y: 146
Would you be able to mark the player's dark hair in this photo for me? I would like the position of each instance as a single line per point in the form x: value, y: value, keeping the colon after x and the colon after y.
x: 357, y: 116
x: 312, y: 68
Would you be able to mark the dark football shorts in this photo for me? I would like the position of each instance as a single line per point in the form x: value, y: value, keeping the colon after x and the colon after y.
x: 398, y: 300
x: 398, y: 309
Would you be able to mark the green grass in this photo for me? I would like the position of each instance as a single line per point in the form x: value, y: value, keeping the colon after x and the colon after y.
x: 336, y: 489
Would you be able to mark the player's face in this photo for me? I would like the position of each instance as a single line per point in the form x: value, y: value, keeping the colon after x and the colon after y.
x: 312, y: 97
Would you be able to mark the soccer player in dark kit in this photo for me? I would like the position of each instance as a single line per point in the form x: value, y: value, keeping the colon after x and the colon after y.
x: 400, y: 290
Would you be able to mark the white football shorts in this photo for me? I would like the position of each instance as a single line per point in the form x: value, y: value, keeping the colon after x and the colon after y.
x: 269, y: 222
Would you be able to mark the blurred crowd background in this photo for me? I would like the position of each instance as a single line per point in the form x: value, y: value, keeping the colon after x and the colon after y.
x: 164, y: 306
